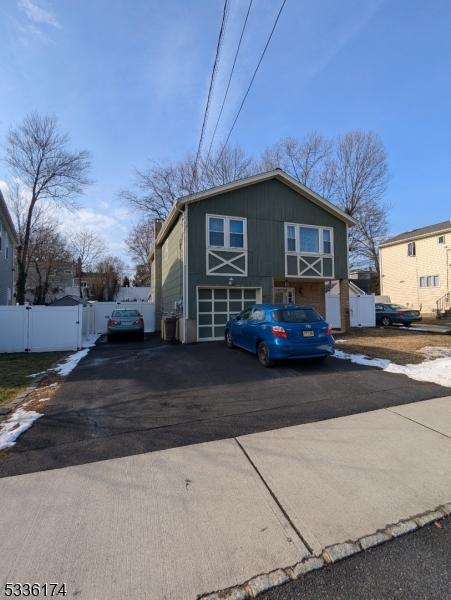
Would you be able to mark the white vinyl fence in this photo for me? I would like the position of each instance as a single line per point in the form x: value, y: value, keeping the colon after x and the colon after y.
x: 53, y: 328
x: 361, y: 309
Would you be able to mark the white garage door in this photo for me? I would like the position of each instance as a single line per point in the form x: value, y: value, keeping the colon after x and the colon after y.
x: 215, y: 306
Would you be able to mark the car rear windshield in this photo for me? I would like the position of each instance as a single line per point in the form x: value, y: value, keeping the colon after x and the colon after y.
x: 126, y: 313
x: 297, y: 315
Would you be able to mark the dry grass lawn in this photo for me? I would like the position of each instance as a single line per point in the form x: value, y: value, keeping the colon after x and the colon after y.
x: 400, y: 346
x: 16, y: 367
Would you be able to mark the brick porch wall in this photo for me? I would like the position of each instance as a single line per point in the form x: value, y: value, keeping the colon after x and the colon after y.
x: 312, y: 292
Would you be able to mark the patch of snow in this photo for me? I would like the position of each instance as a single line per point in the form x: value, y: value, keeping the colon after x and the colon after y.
x: 70, y: 363
x: 436, y: 371
x: 36, y: 374
x: 435, y: 351
x: 91, y: 340
x: 20, y: 421
x: 361, y: 359
x: 341, y: 341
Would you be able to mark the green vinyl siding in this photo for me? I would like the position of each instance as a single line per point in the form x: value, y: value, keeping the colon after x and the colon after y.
x: 171, y: 269
x: 267, y: 206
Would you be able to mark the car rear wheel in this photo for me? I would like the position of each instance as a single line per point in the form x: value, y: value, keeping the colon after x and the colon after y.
x: 264, y: 356
x: 229, y: 339
x: 386, y: 321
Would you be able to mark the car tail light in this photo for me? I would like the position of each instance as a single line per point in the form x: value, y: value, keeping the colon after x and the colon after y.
x: 112, y: 322
x: 329, y: 330
x: 139, y: 322
x: 279, y: 331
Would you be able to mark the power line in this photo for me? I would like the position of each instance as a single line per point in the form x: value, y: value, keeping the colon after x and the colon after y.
x: 212, y: 79
x: 230, y: 77
x: 251, y: 82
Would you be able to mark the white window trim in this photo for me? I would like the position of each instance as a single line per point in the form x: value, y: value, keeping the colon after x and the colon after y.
x: 234, y: 253
x: 227, y: 219
x: 317, y: 266
x: 321, y: 230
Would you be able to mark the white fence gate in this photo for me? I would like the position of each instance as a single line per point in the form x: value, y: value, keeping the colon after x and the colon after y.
x: 40, y: 328
x: 54, y: 328
x: 333, y: 316
x: 362, y: 311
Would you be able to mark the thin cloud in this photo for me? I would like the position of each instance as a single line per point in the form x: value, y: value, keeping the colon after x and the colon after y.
x: 38, y: 14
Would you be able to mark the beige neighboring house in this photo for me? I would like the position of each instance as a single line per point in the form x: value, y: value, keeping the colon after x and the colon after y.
x: 415, y: 268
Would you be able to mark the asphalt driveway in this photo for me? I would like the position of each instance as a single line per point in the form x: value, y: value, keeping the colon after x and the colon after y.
x: 131, y: 397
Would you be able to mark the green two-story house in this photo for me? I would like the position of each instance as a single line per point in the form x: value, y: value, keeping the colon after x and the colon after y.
x: 266, y: 238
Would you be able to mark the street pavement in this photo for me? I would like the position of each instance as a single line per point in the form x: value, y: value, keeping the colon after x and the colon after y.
x: 178, y: 523
x: 416, y: 566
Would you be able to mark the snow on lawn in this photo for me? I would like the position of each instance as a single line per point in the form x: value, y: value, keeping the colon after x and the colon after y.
x: 361, y: 359
x: 64, y: 368
x: 435, y: 371
x: 19, y: 421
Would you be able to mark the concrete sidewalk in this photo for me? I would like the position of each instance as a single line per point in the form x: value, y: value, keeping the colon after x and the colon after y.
x: 184, y: 522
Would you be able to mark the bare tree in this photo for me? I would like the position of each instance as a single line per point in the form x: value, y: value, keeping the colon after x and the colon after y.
x: 350, y: 171
x: 50, y: 250
x: 140, y: 243
x: 159, y: 186
x: 360, y: 182
x: 37, y: 155
x: 108, y: 274
x: 86, y: 247
x: 309, y: 160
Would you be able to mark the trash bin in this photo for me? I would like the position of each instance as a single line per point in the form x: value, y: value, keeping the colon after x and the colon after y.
x: 168, y: 330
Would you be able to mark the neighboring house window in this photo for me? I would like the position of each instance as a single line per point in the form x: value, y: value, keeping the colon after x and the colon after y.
x: 226, y: 232
x: 411, y: 250
x: 430, y: 281
x: 441, y: 239
x: 67, y: 272
x: 306, y: 239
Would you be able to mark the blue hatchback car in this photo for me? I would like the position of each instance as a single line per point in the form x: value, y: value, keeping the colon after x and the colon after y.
x: 280, y: 331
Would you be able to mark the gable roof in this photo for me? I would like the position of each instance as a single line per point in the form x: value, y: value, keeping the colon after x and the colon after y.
x: 4, y: 213
x: 248, y: 181
x: 421, y: 232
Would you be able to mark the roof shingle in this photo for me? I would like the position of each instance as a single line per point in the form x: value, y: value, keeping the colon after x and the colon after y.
x: 414, y: 234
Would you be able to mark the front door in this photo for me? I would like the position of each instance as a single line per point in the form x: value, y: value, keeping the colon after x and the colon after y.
x: 284, y: 295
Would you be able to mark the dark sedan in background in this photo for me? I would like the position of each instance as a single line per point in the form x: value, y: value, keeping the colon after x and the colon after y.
x: 389, y: 314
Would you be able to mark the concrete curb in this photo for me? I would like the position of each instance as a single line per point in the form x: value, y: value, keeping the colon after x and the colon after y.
x: 266, y: 581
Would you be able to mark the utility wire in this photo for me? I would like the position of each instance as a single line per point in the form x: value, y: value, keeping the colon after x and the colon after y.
x: 230, y: 77
x: 251, y: 82
x: 212, y: 80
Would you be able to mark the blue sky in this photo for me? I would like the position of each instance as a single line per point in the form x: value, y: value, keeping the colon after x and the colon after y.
x: 128, y: 79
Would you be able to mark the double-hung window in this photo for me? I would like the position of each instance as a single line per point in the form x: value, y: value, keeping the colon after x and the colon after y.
x: 307, y: 239
x: 226, y: 232
x: 411, y: 249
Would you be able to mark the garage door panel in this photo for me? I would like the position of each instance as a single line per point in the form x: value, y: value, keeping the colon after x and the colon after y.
x: 215, y: 306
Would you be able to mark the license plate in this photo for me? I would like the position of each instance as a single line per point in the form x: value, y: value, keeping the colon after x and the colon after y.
x: 308, y: 333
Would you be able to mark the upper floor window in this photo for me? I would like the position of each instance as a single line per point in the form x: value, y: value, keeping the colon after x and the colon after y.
x: 307, y: 239
x: 441, y: 239
x: 411, y: 249
x: 67, y: 271
x: 226, y: 232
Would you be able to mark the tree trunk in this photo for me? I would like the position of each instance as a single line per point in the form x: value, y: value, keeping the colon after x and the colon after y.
x: 20, y: 281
